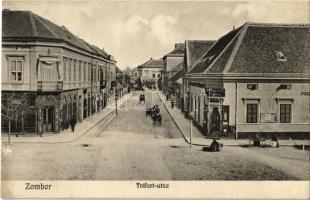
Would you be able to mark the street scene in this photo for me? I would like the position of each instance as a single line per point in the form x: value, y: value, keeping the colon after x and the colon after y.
x: 131, y: 147
x: 164, y: 91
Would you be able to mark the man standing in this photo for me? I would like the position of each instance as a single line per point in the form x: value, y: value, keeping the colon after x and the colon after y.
x: 73, y: 123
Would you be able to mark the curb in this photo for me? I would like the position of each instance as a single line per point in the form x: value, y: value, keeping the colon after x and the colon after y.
x: 79, y: 136
x: 185, y: 139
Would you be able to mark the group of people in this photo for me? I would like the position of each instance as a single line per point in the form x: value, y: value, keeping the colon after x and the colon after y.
x: 273, y: 141
x: 155, y: 109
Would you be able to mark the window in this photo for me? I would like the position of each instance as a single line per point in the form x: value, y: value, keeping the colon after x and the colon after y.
x: 285, y: 87
x: 285, y: 113
x: 153, y: 75
x: 74, y: 70
x: 281, y: 56
x: 65, y: 69
x: 158, y: 75
x: 98, y: 73
x: 84, y: 74
x: 89, y: 72
x: 69, y: 70
x: 252, y: 86
x: 16, y: 68
x: 80, y: 70
x: 251, y: 113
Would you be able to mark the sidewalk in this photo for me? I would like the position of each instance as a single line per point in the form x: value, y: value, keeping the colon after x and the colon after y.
x: 198, y: 138
x: 67, y: 135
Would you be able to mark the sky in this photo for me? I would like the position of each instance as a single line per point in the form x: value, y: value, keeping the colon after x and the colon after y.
x: 134, y: 32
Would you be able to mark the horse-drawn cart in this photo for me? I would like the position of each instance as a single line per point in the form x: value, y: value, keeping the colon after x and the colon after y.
x: 142, y: 98
x: 154, y: 112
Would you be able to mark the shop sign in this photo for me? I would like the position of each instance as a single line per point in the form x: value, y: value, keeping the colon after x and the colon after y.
x: 215, y: 92
x: 268, y: 117
x: 49, y: 60
x: 305, y: 93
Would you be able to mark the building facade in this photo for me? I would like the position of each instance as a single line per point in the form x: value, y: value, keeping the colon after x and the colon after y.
x: 253, y: 80
x: 171, y: 61
x: 51, y: 75
x: 150, y: 72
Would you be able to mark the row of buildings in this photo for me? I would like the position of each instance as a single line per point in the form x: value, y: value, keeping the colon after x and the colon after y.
x: 50, y: 76
x: 254, y: 79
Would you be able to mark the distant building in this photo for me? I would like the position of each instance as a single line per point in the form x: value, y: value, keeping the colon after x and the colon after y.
x: 53, y: 75
x: 171, y: 61
x: 150, y: 72
x: 253, y: 80
x: 133, y: 74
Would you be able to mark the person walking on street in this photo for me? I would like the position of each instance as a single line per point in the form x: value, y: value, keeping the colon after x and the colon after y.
x: 73, y: 123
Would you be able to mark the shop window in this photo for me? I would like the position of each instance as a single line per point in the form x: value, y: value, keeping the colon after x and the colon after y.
x: 285, y: 113
x: 16, y: 69
x: 225, y: 113
x: 251, y: 113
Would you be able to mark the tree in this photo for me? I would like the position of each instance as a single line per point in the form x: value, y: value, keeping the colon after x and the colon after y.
x: 14, y: 105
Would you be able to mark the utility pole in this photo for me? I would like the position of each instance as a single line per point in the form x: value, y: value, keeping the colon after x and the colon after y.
x: 191, y: 132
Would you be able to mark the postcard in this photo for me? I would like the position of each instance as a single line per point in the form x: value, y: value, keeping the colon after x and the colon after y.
x: 155, y: 99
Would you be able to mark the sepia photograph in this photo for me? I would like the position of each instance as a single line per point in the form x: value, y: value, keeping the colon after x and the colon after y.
x: 170, y: 98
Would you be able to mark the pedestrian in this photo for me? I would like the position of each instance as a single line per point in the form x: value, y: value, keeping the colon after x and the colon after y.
x: 256, y: 141
x: 73, y: 123
x: 275, y: 142
x: 215, y: 146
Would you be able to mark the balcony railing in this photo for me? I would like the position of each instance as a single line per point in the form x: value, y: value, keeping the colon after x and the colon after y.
x: 50, y: 86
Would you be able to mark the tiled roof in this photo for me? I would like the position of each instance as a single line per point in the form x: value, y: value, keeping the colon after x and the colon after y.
x: 209, y: 56
x: 27, y: 26
x: 258, y: 49
x: 153, y: 63
x: 194, y: 50
x: 178, y: 51
x: 253, y: 48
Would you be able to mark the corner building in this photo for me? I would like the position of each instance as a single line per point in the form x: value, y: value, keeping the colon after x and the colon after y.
x: 51, y: 74
x: 253, y: 80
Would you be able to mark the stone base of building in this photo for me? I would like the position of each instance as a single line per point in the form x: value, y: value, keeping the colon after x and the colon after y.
x: 279, y: 135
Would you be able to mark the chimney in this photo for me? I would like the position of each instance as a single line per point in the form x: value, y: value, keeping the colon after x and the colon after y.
x: 233, y: 27
x: 176, y: 45
x: 151, y: 58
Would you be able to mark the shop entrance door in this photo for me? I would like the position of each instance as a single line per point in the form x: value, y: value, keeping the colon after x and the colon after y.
x: 48, y: 119
x: 215, y: 121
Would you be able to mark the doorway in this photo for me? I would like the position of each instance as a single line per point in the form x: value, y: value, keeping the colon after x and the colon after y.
x: 215, y: 120
x: 48, y: 119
